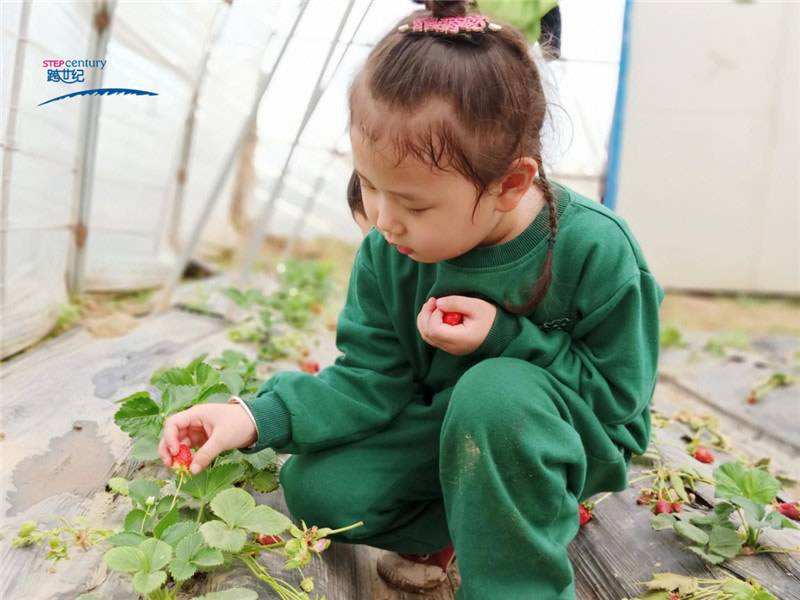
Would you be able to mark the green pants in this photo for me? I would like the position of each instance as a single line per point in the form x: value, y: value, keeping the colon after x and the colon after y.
x: 497, y: 464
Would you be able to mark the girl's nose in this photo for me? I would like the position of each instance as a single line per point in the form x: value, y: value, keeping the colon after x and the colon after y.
x: 387, y: 221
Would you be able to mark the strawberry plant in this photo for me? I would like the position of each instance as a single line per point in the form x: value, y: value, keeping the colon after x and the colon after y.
x: 768, y: 383
x: 714, y: 536
x: 671, y: 336
x: 668, y: 488
x: 705, y: 432
x: 670, y: 586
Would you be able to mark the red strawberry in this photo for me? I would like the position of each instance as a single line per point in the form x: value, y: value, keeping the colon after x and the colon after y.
x: 266, y: 540
x: 790, y: 509
x: 309, y: 366
x: 585, y: 514
x: 453, y: 318
x: 663, y: 506
x: 676, y: 507
x: 674, y: 597
x: 704, y: 455
x: 183, y: 459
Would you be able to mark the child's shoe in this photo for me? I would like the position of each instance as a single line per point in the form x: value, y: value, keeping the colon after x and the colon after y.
x: 416, y: 572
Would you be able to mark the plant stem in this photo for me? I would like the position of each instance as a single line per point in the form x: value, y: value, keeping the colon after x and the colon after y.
x: 349, y: 527
x: 177, y: 490
x: 200, y: 512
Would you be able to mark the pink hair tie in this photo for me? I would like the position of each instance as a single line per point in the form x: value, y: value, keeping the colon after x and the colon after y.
x: 465, y: 27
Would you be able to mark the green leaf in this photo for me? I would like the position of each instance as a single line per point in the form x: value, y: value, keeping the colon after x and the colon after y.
x: 756, y: 484
x: 764, y: 595
x: 209, y: 393
x: 156, y: 553
x: 724, y: 541
x: 218, y: 535
x: 232, y: 505
x: 207, y: 484
x: 663, y: 521
x: 208, y: 557
x: 125, y: 559
x: 264, y: 482
x: 677, y: 485
x: 672, y: 582
x: 145, y: 448
x: 188, y: 546
x: 738, y: 587
x: 753, y: 513
x: 206, y: 375
x: 140, y: 416
x: 166, y: 521
x: 714, y: 559
x: 262, y: 459
x: 691, y: 533
x: 118, y: 485
x: 193, y: 365
x: 142, y: 489
x: 144, y: 583
x: 126, y: 538
x: 171, y: 376
x: 265, y: 519
x: 175, y: 533
x: 178, y: 397
x: 232, y: 381
x: 137, y: 521
x: 231, y: 594
x: 181, y: 569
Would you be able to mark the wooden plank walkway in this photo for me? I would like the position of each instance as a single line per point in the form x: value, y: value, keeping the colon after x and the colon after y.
x: 61, y: 447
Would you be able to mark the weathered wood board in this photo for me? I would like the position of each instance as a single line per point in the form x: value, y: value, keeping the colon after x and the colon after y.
x: 61, y: 446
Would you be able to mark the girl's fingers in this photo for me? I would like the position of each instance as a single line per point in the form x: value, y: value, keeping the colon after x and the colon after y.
x: 177, y: 428
x: 459, y: 304
x: 206, y: 453
x: 164, y: 454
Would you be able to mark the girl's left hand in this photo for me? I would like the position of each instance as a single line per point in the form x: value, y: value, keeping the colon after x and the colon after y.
x: 478, y: 317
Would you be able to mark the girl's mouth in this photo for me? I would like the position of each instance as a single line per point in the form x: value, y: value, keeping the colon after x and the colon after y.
x: 403, y: 249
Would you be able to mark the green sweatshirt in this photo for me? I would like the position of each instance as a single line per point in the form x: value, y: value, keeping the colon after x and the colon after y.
x: 597, y: 331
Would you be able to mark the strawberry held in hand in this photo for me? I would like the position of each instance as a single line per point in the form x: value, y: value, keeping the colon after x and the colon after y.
x: 183, y: 459
x: 452, y: 318
x: 704, y: 455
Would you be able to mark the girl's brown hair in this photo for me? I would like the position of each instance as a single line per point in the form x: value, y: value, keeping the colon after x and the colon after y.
x: 489, y: 107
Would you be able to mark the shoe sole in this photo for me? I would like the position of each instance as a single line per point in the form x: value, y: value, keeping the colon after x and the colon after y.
x: 397, y: 582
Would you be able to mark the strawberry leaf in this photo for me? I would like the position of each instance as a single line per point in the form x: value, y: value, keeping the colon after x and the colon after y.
x: 691, y: 533
x: 171, y: 376
x: 144, y: 583
x: 142, y: 489
x: 208, y: 483
x: 140, y: 416
x: 175, y: 533
x: 130, y: 560
x: 733, y: 480
x: 724, y: 541
x: 178, y: 397
x: 145, y: 448
x: 232, y: 381
x: 166, y: 522
x: 126, y: 538
x: 219, y: 535
x: 156, y: 553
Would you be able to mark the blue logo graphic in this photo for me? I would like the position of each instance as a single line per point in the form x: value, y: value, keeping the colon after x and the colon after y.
x: 102, y: 92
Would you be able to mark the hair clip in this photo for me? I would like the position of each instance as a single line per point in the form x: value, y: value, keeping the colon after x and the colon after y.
x: 465, y: 27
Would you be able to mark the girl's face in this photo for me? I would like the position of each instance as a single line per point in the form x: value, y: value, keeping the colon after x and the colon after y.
x: 426, y: 214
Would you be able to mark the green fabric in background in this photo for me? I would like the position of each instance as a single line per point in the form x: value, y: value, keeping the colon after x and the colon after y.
x: 525, y: 15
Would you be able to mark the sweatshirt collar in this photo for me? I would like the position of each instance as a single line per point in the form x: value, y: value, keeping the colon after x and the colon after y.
x: 525, y: 242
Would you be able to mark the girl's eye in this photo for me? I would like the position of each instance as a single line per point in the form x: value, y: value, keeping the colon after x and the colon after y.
x: 415, y: 211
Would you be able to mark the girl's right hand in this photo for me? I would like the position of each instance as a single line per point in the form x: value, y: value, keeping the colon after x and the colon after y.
x: 213, y: 427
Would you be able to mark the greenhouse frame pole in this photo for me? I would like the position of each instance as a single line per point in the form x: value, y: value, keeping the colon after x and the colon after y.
x: 10, y: 142
x: 175, y: 276
x: 311, y: 201
x: 264, y: 217
x: 220, y: 18
x: 89, y: 125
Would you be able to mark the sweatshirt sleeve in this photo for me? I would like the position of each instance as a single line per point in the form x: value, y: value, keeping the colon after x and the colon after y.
x: 360, y: 393
x: 610, y: 357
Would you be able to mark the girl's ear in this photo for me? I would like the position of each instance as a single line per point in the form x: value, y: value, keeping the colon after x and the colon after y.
x: 514, y: 184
